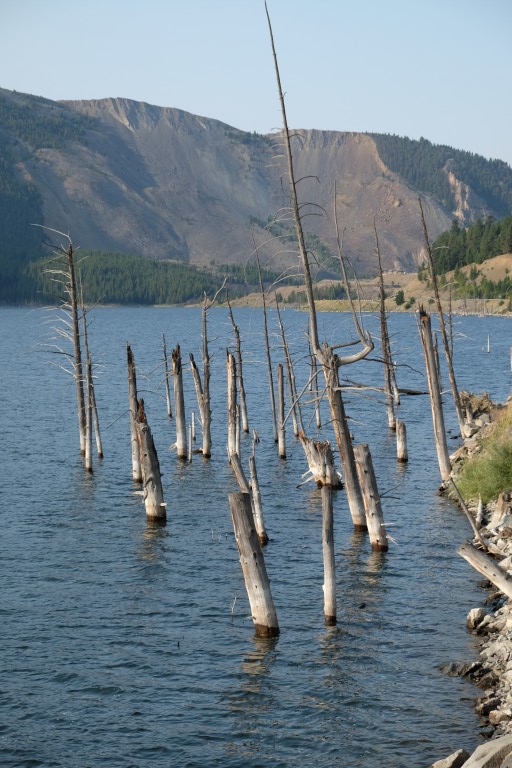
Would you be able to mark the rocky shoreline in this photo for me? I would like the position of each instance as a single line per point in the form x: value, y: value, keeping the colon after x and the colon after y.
x: 492, y: 622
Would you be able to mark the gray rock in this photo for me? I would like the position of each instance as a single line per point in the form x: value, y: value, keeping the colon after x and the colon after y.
x: 492, y: 754
x: 475, y: 617
x: 457, y: 760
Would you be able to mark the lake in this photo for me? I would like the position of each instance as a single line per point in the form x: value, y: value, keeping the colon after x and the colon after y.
x: 127, y: 645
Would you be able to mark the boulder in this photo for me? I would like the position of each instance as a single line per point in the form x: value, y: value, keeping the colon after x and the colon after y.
x: 457, y: 760
x: 492, y: 754
x: 475, y: 617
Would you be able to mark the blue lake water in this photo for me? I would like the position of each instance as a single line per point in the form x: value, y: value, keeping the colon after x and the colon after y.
x: 125, y: 645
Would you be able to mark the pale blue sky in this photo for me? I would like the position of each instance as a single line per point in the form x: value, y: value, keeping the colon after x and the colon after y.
x: 437, y: 68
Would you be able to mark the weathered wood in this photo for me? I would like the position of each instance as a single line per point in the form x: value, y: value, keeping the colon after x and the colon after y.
x: 374, y: 514
x: 436, y: 403
x: 257, y: 509
x: 280, y: 413
x: 97, y: 433
x: 192, y: 427
x: 241, y: 387
x: 267, y: 350
x: 241, y: 478
x: 254, y: 570
x: 71, y: 290
x: 328, y: 556
x: 231, y: 378
x: 401, y: 441
x: 95, y: 418
x: 132, y: 399
x: 179, y: 404
x: 487, y: 567
x: 320, y: 461
x: 442, y: 326
x: 389, y: 371
x: 203, y: 401
x: 152, y: 479
x: 295, y: 408
x: 314, y: 389
x: 88, y: 415
x: 346, y: 450
x: 166, y: 379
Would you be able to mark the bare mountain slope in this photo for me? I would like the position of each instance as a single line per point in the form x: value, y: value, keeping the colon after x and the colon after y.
x: 171, y: 185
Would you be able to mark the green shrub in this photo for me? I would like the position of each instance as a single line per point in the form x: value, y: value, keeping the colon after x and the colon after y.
x: 490, y: 472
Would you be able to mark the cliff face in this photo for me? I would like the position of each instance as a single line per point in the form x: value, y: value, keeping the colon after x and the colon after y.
x: 168, y: 184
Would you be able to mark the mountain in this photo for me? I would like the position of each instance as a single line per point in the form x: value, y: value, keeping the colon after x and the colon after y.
x: 130, y: 177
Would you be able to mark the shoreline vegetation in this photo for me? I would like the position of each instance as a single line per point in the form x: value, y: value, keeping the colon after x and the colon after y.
x: 483, y: 472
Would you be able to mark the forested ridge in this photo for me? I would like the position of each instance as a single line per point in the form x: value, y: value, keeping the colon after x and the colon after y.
x: 460, y: 246
x: 425, y: 167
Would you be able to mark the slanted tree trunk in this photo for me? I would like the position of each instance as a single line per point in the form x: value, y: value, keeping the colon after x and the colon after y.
x: 442, y: 326
x: 257, y: 510
x: 179, y: 405
x: 133, y: 404
x: 257, y: 583
x: 241, y: 387
x: 487, y: 567
x: 443, y: 456
x: 374, y: 514
x: 152, y: 479
x: 166, y: 375
x: 79, y: 375
x: 324, y: 354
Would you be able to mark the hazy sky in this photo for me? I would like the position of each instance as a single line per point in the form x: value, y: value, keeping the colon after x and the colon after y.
x: 434, y: 68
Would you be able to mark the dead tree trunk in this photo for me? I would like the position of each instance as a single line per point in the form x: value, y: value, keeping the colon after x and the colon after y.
x: 314, y: 383
x: 295, y: 409
x: 280, y: 413
x: 444, y: 335
x: 487, y: 567
x: 95, y: 418
x: 88, y: 416
x: 328, y: 556
x: 320, y: 461
x: 256, y: 498
x: 241, y: 387
x: 79, y: 375
x: 324, y: 354
x: 203, y: 389
x: 152, y: 479
x: 389, y: 371
x: 256, y: 579
x: 132, y: 398
x: 231, y: 377
x: 374, y: 515
x: 267, y: 349
x: 166, y: 375
x: 443, y: 456
x: 401, y: 442
x: 179, y: 405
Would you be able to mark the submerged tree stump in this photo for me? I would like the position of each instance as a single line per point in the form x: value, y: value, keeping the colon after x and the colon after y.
x: 152, y: 478
x: 320, y: 461
x: 401, y: 442
x: 328, y: 555
x: 374, y: 514
x: 254, y: 570
x: 179, y: 404
x: 132, y: 398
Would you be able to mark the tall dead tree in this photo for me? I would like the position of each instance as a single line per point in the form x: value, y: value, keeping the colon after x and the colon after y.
x: 390, y: 387
x: 442, y: 326
x: 241, y: 387
x: 179, y: 404
x: 133, y: 405
x: 436, y: 403
x: 267, y: 350
x: 64, y: 274
x: 92, y: 395
x: 203, y: 387
x: 166, y: 375
x: 295, y: 408
x: 324, y: 353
